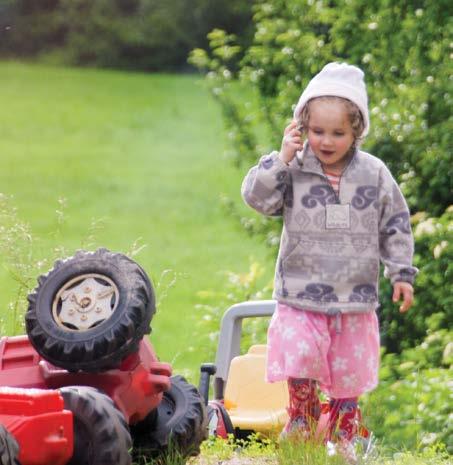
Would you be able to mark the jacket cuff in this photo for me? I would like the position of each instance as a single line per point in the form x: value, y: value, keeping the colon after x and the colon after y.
x: 406, y: 275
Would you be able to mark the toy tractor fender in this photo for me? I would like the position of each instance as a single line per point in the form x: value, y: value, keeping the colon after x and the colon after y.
x: 36, y: 428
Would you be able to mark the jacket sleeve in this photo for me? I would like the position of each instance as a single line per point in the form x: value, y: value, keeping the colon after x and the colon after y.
x: 265, y: 185
x: 396, y: 242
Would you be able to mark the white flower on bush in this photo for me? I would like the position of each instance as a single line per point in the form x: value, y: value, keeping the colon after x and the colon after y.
x: 439, y: 248
x: 425, y: 227
x: 287, y: 50
x: 429, y: 438
x: 407, y: 127
x: 447, y: 356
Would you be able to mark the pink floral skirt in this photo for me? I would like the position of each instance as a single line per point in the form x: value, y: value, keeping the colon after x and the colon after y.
x: 341, y: 354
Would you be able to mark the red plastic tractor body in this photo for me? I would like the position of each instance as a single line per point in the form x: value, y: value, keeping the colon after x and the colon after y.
x: 136, y: 387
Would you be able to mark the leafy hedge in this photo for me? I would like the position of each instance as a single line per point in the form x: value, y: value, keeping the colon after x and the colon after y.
x: 412, y: 405
x: 434, y: 258
x: 405, y: 51
x: 128, y: 34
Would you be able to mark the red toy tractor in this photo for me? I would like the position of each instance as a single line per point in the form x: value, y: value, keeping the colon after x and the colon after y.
x: 85, y: 385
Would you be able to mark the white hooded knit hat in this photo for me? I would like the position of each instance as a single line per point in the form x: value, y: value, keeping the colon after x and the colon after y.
x: 339, y: 80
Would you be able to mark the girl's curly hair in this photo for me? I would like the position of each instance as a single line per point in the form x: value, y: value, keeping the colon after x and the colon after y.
x: 354, y: 114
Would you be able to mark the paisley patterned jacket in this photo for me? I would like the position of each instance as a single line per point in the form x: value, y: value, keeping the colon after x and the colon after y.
x: 331, y: 246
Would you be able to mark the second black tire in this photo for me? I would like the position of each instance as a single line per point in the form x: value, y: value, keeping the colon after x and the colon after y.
x: 9, y: 449
x: 101, y: 434
x: 178, y: 425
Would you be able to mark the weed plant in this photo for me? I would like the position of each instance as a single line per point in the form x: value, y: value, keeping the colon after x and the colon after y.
x: 23, y: 260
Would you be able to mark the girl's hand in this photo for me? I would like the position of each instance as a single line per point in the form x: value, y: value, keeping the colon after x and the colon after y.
x: 291, y: 143
x: 401, y: 288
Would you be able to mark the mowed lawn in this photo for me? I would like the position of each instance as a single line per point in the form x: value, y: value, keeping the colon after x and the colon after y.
x: 143, y: 153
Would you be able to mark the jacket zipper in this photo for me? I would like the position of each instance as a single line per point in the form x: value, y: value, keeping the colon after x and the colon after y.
x: 337, y: 197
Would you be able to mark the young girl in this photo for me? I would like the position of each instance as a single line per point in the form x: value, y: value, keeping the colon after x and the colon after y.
x: 342, y: 213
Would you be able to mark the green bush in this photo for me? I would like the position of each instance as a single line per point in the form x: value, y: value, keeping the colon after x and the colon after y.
x: 434, y: 258
x: 411, y: 407
x: 128, y: 34
x: 28, y: 27
x: 404, y: 50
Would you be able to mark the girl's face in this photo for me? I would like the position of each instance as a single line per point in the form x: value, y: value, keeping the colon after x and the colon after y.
x: 330, y: 134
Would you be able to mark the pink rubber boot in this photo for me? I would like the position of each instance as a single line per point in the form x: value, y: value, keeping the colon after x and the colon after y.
x: 343, y: 427
x: 303, y: 410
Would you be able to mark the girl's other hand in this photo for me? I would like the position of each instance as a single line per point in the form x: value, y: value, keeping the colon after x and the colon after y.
x: 401, y: 288
x: 291, y: 143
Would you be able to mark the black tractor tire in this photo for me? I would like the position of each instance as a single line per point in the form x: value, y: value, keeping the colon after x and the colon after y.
x: 176, y: 428
x: 101, y: 434
x: 9, y: 449
x: 118, y: 310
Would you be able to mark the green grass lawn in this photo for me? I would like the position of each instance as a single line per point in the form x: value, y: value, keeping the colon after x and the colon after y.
x: 142, y: 152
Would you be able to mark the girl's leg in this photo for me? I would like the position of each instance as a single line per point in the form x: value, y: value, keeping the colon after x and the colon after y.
x: 304, y: 406
x: 342, y: 418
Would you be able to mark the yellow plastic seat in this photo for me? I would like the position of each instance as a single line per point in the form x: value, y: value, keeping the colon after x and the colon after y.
x: 252, y: 403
